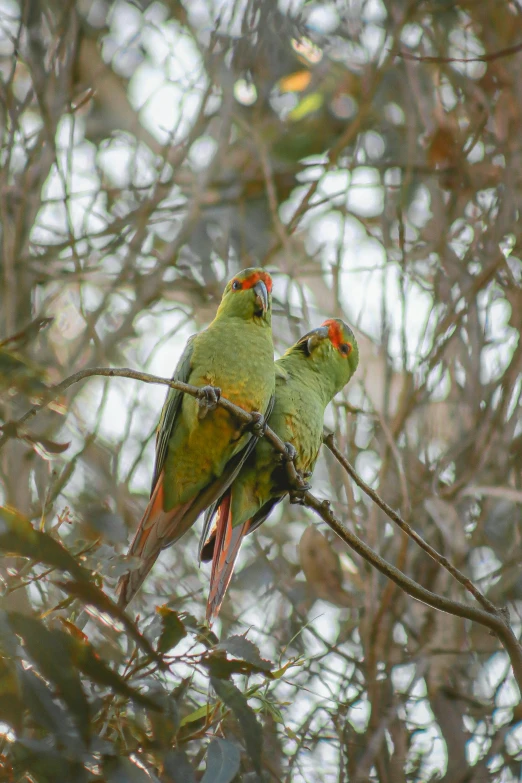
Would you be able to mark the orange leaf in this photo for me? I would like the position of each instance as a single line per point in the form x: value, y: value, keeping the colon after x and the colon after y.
x: 295, y: 82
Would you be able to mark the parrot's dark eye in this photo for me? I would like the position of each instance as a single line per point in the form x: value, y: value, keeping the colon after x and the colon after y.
x: 345, y: 349
x: 236, y: 285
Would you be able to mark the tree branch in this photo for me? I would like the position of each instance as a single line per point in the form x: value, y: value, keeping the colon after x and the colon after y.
x: 482, y: 58
x: 11, y: 428
x: 492, y: 618
x: 495, y: 620
x: 406, y: 528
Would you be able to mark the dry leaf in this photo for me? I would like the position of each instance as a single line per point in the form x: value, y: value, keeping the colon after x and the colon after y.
x: 322, y: 568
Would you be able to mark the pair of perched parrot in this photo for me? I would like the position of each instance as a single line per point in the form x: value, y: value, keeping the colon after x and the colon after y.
x: 206, y: 460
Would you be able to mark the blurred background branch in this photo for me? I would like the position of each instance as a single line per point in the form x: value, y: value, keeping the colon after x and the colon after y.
x: 369, y: 154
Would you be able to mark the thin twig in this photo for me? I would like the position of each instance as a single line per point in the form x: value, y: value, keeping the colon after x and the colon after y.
x: 483, y: 58
x: 406, y: 528
x: 11, y: 428
x: 495, y: 620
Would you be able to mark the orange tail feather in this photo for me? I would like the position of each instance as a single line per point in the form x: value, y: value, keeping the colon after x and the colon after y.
x: 157, y: 530
x: 226, y: 549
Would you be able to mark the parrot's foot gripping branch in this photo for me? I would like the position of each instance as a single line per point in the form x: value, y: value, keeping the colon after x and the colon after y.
x: 208, y: 399
x: 290, y: 453
x: 258, y: 426
x: 298, y: 486
x: 297, y: 494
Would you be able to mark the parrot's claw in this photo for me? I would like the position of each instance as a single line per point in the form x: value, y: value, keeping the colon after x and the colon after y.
x: 290, y: 453
x: 208, y: 398
x: 258, y: 425
x: 297, y: 496
x: 297, y: 493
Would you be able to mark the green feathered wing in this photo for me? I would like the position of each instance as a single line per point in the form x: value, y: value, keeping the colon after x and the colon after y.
x: 197, y: 457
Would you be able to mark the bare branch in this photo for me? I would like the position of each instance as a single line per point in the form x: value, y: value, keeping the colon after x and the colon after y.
x: 406, y: 528
x: 493, y: 620
x: 483, y: 58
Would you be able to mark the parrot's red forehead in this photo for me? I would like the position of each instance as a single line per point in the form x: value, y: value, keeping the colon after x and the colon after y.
x: 255, y: 277
x: 335, y: 333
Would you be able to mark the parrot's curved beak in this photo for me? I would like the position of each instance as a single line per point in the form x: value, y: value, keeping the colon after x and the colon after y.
x: 314, y: 337
x: 261, y: 293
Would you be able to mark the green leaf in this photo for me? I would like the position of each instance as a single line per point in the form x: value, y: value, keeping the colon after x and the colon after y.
x: 278, y: 673
x: 48, y: 649
x: 9, y: 646
x: 223, y: 761
x: 197, y: 715
x: 59, y: 655
x: 251, y: 728
x: 247, y: 659
x: 11, y: 706
x: 218, y: 665
x: 47, y: 765
x: 203, y: 634
x: 121, y: 770
x: 89, y: 663
x: 90, y: 594
x: 244, y: 649
x: 177, y: 768
x: 173, y: 630
x: 309, y: 104
x: 180, y: 691
x: 44, y: 709
x: 165, y: 725
x: 18, y: 537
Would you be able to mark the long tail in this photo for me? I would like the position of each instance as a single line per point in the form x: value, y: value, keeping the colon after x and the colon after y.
x: 157, y: 530
x: 227, y: 543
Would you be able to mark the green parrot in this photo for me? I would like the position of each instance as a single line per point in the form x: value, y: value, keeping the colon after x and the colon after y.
x: 200, y: 447
x: 308, y: 376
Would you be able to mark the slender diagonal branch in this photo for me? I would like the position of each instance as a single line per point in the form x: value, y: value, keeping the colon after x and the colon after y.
x: 482, y: 58
x: 495, y: 620
x: 406, y: 528
x: 12, y: 428
x: 491, y: 617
